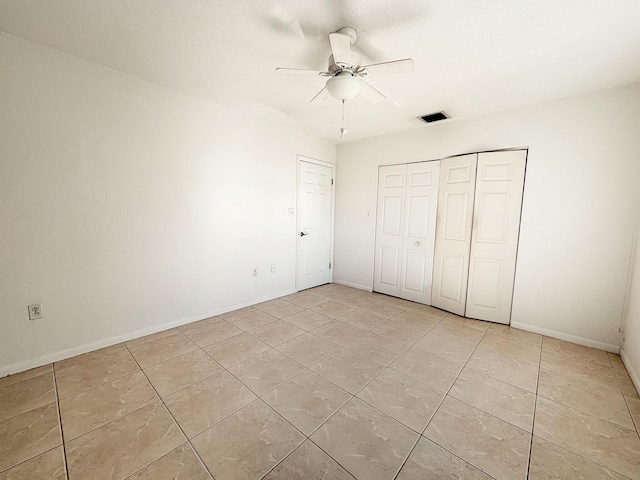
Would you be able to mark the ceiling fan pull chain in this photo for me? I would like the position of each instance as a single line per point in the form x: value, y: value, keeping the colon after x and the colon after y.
x: 343, y: 130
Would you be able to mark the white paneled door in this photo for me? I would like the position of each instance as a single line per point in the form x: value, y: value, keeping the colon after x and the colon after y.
x: 389, y: 222
x: 496, y: 226
x: 315, y: 183
x: 453, y: 233
x: 405, y: 230
x: 421, y: 207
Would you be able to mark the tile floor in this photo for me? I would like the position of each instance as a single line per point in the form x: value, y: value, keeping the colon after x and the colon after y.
x: 328, y: 383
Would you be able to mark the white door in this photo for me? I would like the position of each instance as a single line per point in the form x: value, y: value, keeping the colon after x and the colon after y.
x: 405, y: 230
x: 314, y: 224
x: 496, y: 226
x: 421, y: 206
x: 389, y: 228
x: 453, y: 233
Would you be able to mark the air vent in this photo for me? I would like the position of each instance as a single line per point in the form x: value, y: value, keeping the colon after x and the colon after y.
x: 434, y: 117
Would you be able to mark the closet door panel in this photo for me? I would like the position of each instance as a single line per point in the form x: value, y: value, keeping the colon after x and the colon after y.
x: 421, y: 200
x: 452, y: 286
x: 389, y: 229
x: 496, y: 226
x: 453, y: 233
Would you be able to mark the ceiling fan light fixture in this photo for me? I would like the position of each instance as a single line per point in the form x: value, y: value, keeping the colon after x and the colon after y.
x: 343, y: 86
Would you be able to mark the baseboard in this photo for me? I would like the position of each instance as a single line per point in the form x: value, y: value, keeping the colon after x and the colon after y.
x: 354, y: 285
x: 609, y: 347
x: 635, y: 378
x: 107, y: 342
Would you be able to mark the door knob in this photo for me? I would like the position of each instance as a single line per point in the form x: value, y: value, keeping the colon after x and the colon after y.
x: 302, y: 234
x: 417, y: 243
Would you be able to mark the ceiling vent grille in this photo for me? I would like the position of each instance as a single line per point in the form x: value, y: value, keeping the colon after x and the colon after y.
x: 434, y: 117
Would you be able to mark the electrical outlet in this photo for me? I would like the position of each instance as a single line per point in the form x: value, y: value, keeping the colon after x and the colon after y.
x: 254, y: 272
x: 35, y: 311
x: 273, y: 268
x: 291, y: 212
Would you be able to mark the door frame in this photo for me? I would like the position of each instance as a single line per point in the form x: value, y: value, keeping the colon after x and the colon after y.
x: 332, y: 166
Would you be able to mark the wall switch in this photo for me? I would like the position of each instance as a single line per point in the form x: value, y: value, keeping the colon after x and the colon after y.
x: 35, y: 311
x: 254, y: 272
x: 273, y: 268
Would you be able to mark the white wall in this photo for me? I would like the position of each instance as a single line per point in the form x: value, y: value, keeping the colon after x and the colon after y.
x: 126, y: 207
x: 581, y: 205
x: 631, y: 345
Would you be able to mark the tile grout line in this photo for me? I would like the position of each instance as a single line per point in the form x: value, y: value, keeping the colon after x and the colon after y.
x: 64, y: 445
x: 188, y: 440
x: 31, y: 409
x: 141, y: 406
x: 571, y: 408
x: 305, y: 368
x: 579, y: 410
x: 635, y: 423
x: 258, y: 397
x: 624, y: 397
x: 420, y: 434
x: 26, y: 379
x: 353, y: 396
x: 57, y: 402
x: 535, y: 407
x: 384, y: 368
x: 110, y: 421
x: 438, y: 408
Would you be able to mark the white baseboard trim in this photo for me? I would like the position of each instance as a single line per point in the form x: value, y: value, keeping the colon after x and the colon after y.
x: 609, y: 347
x: 635, y: 378
x: 354, y: 285
x: 107, y: 342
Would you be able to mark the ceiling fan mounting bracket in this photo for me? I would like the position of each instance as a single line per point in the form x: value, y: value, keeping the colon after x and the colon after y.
x: 349, y: 32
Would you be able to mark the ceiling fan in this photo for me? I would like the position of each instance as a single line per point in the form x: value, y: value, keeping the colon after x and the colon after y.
x: 345, y: 72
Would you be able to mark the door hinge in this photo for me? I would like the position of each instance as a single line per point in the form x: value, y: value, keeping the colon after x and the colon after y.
x: 332, y: 181
x: 329, y: 265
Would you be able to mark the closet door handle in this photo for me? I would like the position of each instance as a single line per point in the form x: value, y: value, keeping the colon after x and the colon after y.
x: 417, y: 244
x: 302, y: 234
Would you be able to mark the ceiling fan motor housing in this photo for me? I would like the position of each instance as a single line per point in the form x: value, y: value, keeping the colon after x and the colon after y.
x: 336, y: 68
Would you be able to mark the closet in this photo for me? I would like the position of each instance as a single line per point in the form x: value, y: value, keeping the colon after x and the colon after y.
x: 468, y: 218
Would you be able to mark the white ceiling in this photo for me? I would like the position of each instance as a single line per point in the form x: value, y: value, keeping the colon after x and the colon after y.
x: 472, y: 56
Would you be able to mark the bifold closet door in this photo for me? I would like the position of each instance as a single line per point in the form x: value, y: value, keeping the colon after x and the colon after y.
x: 389, y: 223
x: 421, y: 206
x: 453, y: 233
x: 496, y: 226
x: 405, y: 230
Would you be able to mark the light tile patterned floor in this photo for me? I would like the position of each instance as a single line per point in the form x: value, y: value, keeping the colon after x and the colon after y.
x: 331, y: 382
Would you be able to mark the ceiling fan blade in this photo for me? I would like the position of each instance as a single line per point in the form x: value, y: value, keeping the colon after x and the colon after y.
x: 321, y: 96
x: 370, y: 93
x: 302, y: 71
x: 340, y: 47
x: 405, y: 65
